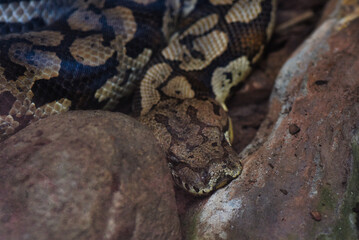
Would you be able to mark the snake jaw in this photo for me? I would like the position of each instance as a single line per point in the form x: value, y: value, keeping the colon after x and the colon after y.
x: 218, y: 180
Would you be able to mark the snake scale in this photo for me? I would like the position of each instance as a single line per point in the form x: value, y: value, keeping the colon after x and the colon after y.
x: 178, y: 58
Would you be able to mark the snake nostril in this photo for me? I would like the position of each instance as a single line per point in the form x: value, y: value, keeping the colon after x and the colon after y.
x: 173, y: 159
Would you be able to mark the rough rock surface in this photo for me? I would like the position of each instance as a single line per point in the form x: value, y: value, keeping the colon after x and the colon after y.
x: 85, y: 175
x: 301, y: 172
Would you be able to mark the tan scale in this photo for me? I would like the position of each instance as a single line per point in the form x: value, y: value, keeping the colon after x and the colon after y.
x: 122, y: 21
x: 221, y: 85
x: 144, y: 2
x: 258, y: 55
x: 109, y: 89
x: 112, y: 88
x: 211, y: 46
x: 270, y: 28
x: 31, y: 109
x: 25, y: 82
x: 136, y: 64
x: 201, y: 26
x: 112, y: 85
x: 221, y: 2
x: 8, y: 123
x: 155, y: 75
x: 89, y: 50
x: 173, y: 50
x: 19, y: 108
x: 244, y: 11
x: 42, y: 38
x: 178, y: 87
x: 2, y: 77
x: 84, y: 20
x: 43, y: 64
x: 56, y: 107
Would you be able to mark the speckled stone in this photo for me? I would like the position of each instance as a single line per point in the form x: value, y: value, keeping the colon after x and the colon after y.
x: 85, y: 175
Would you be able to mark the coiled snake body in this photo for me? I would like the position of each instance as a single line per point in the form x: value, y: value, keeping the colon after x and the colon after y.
x: 181, y: 57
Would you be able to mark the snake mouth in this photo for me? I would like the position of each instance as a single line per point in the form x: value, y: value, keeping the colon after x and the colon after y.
x: 218, y: 181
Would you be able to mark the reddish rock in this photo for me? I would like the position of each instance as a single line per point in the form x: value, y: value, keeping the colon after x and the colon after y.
x: 294, y: 129
x: 318, y: 167
x: 85, y: 175
x: 316, y: 215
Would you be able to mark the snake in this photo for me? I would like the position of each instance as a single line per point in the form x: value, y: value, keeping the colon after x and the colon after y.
x: 175, y: 62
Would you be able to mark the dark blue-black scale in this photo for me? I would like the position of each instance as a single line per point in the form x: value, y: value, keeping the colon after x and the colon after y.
x: 6, y: 28
x: 76, y: 81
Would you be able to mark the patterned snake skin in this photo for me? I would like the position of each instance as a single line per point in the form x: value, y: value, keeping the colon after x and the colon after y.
x: 180, y: 58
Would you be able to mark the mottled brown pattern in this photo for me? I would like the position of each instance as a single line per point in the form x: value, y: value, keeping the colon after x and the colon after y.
x: 244, y: 11
x: 56, y: 107
x: 42, y: 65
x: 90, y: 51
x: 85, y: 20
x: 42, y: 38
x: 122, y: 21
x: 113, y: 86
x: 178, y: 87
x: 192, y: 132
x: 209, y: 46
x: 222, y: 84
x: 156, y: 75
x: 253, y: 40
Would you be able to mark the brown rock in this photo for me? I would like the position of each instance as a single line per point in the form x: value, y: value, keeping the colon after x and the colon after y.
x: 285, y: 192
x: 317, y: 89
x: 293, y: 129
x: 316, y: 215
x: 85, y: 175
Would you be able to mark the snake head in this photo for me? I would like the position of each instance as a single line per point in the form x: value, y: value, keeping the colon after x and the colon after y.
x: 193, y: 133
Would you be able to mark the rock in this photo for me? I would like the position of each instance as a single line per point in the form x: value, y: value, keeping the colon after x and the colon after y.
x: 318, y: 167
x: 85, y: 175
x: 294, y: 129
x: 316, y: 215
